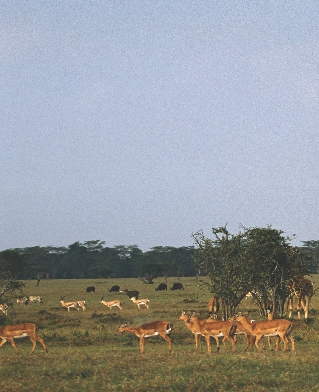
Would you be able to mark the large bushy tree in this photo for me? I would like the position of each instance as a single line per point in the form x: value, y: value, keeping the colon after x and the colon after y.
x: 257, y: 260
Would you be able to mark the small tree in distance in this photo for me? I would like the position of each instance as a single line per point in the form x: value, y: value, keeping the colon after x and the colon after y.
x: 11, y: 266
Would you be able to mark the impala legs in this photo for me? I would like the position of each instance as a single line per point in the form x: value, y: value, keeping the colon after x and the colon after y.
x: 164, y: 336
x: 34, y: 342
x: 11, y: 341
x: 168, y: 339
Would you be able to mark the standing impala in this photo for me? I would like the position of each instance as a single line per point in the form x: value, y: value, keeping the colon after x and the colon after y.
x: 278, y: 327
x: 110, y: 304
x: 140, y: 302
x: 162, y: 328
x: 190, y: 325
x: 225, y: 329
x: 10, y: 332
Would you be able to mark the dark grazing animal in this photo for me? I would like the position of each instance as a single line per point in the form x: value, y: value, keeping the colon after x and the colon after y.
x: 90, y: 289
x: 177, y: 286
x: 161, y: 287
x: 114, y: 289
x: 131, y: 294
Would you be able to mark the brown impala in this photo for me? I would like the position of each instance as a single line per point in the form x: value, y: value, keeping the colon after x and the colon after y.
x: 260, y: 329
x: 11, y: 332
x: 162, y: 328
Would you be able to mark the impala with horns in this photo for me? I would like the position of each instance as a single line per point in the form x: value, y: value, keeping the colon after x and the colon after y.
x: 68, y: 305
x: 140, y: 302
x: 162, y: 328
x: 113, y: 303
x: 216, y: 329
x: 260, y: 329
x: 11, y: 332
x: 4, y: 308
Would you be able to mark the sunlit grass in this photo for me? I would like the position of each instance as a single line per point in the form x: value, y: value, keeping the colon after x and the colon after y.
x: 85, y: 353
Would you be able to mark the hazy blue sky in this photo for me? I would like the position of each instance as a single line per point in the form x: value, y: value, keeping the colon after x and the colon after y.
x: 142, y: 122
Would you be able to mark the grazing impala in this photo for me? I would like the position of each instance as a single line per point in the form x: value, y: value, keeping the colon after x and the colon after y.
x: 110, y: 304
x: 34, y: 298
x: 22, y: 301
x: 69, y: 305
x: 11, y: 332
x: 216, y: 329
x: 162, y: 328
x: 140, y: 302
x: 278, y: 327
x: 4, y: 308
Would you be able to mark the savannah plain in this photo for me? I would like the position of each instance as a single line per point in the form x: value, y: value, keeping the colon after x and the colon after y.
x: 85, y: 353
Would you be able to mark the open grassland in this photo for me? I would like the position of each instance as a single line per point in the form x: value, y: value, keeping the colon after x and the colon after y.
x: 85, y: 354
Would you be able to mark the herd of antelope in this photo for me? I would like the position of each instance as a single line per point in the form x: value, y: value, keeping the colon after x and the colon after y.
x: 254, y: 332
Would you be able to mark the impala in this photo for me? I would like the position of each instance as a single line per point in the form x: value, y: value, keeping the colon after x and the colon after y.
x: 110, y: 304
x: 140, y: 302
x: 270, y: 317
x: 190, y: 325
x: 216, y: 329
x: 4, y: 308
x: 278, y: 327
x: 240, y: 330
x: 162, y: 328
x: 81, y: 304
x: 34, y: 298
x: 213, y: 306
x: 69, y: 305
x: 22, y: 301
x: 11, y: 332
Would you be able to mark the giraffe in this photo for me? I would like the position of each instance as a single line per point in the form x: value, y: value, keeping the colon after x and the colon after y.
x: 303, y: 289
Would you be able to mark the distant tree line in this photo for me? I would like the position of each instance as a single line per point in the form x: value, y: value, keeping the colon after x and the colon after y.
x: 91, y: 259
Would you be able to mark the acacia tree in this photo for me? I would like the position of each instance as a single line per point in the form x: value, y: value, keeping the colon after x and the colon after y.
x: 258, y: 260
x: 272, y: 262
x: 221, y: 259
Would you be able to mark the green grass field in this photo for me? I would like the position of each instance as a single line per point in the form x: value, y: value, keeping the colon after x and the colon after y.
x: 85, y: 353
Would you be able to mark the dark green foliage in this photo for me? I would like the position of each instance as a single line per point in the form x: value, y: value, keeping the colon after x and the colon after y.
x: 11, y: 266
x: 258, y: 260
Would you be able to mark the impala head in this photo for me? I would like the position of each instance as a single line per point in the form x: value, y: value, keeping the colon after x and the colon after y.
x: 102, y: 298
x: 133, y: 299
x: 122, y: 328
x: 183, y: 316
x: 62, y: 298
